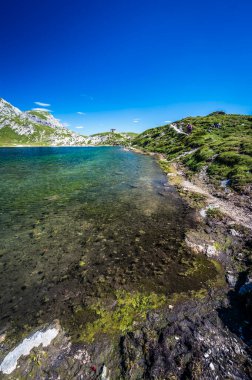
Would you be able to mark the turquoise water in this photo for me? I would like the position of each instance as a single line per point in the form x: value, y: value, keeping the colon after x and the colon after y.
x: 78, y: 223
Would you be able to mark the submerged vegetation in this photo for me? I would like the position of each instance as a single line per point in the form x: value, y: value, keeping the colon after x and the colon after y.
x: 129, y: 308
x: 219, y: 143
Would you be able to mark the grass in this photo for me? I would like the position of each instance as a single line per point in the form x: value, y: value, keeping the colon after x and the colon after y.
x: 40, y: 114
x: 214, y: 213
x: 225, y: 152
x: 115, y: 138
x: 9, y: 137
x: 40, y: 136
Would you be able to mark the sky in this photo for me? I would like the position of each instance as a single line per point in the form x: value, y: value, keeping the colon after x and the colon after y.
x: 126, y: 64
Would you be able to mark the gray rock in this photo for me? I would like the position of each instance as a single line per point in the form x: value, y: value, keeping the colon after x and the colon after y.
x: 231, y: 279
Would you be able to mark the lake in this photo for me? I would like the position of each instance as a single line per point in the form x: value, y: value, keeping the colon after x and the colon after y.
x: 79, y: 223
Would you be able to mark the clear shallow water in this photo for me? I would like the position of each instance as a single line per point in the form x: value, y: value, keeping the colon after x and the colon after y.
x: 78, y: 223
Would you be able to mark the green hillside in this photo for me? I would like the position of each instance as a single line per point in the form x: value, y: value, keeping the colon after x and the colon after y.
x: 109, y: 138
x: 225, y: 152
x: 42, y: 135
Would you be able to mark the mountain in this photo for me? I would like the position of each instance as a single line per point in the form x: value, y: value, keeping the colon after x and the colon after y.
x: 36, y: 127
x: 219, y: 147
x: 39, y: 127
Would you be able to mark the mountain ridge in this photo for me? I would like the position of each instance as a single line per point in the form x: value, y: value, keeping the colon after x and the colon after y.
x: 39, y: 127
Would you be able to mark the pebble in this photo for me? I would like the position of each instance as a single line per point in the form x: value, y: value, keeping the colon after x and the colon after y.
x: 211, y: 366
x: 104, y: 374
x: 211, y: 251
x: 234, y: 232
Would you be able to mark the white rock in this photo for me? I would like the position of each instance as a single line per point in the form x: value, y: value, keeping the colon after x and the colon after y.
x: 104, y: 374
x: 234, y: 232
x: 211, y: 251
x: 9, y: 363
x: 212, y: 366
x: 203, y: 212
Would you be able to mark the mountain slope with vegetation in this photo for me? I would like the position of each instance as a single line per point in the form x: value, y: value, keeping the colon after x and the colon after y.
x: 39, y: 128
x: 220, y: 145
x: 111, y: 138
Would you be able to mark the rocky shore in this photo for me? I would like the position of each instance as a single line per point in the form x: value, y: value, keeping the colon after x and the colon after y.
x: 197, y: 335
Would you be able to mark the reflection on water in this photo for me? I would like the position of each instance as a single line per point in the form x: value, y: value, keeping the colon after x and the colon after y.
x: 78, y: 223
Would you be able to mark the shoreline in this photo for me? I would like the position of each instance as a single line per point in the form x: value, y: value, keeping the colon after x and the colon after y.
x: 53, y: 146
x: 196, y: 336
x: 223, y: 233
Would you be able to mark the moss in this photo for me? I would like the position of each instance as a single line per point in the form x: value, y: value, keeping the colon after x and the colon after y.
x: 129, y: 308
x: 214, y: 213
x: 220, y: 278
x: 193, y: 267
x: 222, y: 246
x: 195, y: 200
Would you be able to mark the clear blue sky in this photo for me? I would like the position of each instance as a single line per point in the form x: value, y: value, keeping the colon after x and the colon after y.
x: 128, y: 64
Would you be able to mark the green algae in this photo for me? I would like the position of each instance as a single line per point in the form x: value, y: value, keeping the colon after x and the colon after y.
x: 219, y: 280
x: 129, y: 308
x: 194, y: 267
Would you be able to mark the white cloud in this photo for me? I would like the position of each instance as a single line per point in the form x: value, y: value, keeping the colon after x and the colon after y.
x: 136, y: 120
x: 79, y: 127
x: 81, y: 113
x: 167, y: 121
x: 66, y: 125
x: 42, y: 104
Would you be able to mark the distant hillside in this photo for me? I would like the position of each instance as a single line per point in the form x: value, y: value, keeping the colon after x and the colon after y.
x: 224, y: 153
x: 109, y: 138
x: 39, y: 127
